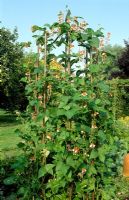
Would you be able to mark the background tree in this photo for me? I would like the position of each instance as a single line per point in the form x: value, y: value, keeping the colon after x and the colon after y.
x: 121, y: 71
x: 11, y: 71
x: 113, y: 53
x: 123, y: 61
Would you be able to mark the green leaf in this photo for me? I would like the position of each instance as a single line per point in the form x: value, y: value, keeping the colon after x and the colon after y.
x: 90, y: 32
x: 65, y: 99
x: 84, y: 36
x: 94, y: 68
x: 42, y: 172
x: 70, y: 162
x: 92, y: 170
x: 101, y: 157
x: 24, y: 79
x: 94, y: 154
x: 60, y: 112
x: 85, y: 128
x: 29, y: 89
x: 20, y: 163
x: 102, y: 152
x: 70, y: 113
x: 81, y: 186
x: 69, y: 176
x: 10, y: 180
x: 48, y: 168
x: 21, y: 191
x: 64, y: 135
x: 101, y: 136
x: 74, y: 36
x: 68, y: 14
x: 61, y: 169
x: 18, y: 131
x: 37, y: 70
x: 37, y: 28
x: 40, y: 116
x: 47, y: 25
x: 21, y: 144
x: 54, y: 25
x: 64, y: 27
x: 99, y: 33
x: 103, y: 87
x: 33, y: 102
x: 91, y: 184
x: 94, y: 42
x: 67, y: 107
x: 97, y: 101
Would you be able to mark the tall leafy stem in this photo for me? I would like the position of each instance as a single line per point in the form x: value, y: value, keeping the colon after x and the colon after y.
x: 70, y: 136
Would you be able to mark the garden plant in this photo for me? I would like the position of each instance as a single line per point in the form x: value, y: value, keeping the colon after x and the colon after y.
x: 71, y: 148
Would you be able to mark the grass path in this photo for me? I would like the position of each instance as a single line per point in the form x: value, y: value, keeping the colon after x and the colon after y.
x: 8, y: 138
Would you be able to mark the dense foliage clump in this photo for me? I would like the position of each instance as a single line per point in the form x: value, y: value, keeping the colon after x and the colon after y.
x: 123, y: 62
x: 12, y: 90
x: 70, y: 144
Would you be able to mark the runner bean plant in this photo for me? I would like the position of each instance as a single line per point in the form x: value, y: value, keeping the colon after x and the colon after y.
x: 70, y: 147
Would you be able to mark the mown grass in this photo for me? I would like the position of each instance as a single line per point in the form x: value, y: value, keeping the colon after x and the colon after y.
x: 8, y: 138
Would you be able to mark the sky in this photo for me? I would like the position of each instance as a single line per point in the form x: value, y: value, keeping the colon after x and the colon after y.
x: 112, y: 15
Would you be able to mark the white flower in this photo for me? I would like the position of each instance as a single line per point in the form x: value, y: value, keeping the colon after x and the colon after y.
x: 93, y: 126
x: 45, y: 152
x: 83, y: 170
x: 49, y: 137
x: 92, y: 145
x: 82, y: 132
x: 84, y: 94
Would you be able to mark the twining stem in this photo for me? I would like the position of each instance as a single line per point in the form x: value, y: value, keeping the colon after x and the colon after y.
x: 86, y: 61
x: 45, y: 54
x: 37, y: 64
x: 44, y: 91
x: 93, y: 196
x: 45, y: 68
x: 36, y: 79
x: 91, y: 61
x: 87, y: 197
x: 70, y: 192
x: 28, y: 75
x: 69, y: 72
x: 114, y: 102
x: 68, y: 53
x: 44, y: 104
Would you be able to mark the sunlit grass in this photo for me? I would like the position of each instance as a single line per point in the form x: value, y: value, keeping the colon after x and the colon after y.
x: 8, y: 138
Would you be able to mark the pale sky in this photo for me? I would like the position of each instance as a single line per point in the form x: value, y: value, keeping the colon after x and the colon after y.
x: 112, y: 15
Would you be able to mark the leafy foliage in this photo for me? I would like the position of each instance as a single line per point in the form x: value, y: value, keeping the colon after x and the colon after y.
x: 123, y: 62
x: 70, y: 143
x: 11, y: 88
x: 113, y: 53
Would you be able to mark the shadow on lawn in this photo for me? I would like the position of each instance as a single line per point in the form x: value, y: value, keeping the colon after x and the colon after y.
x: 7, y: 119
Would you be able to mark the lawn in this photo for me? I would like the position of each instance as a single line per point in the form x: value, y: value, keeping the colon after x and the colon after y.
x: 8, y: 138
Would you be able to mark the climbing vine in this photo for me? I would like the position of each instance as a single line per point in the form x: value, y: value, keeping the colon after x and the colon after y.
x: 69, y: 144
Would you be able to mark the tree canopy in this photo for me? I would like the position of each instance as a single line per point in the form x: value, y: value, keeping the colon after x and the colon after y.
x: 123, y: 61
x: 11, y: 71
